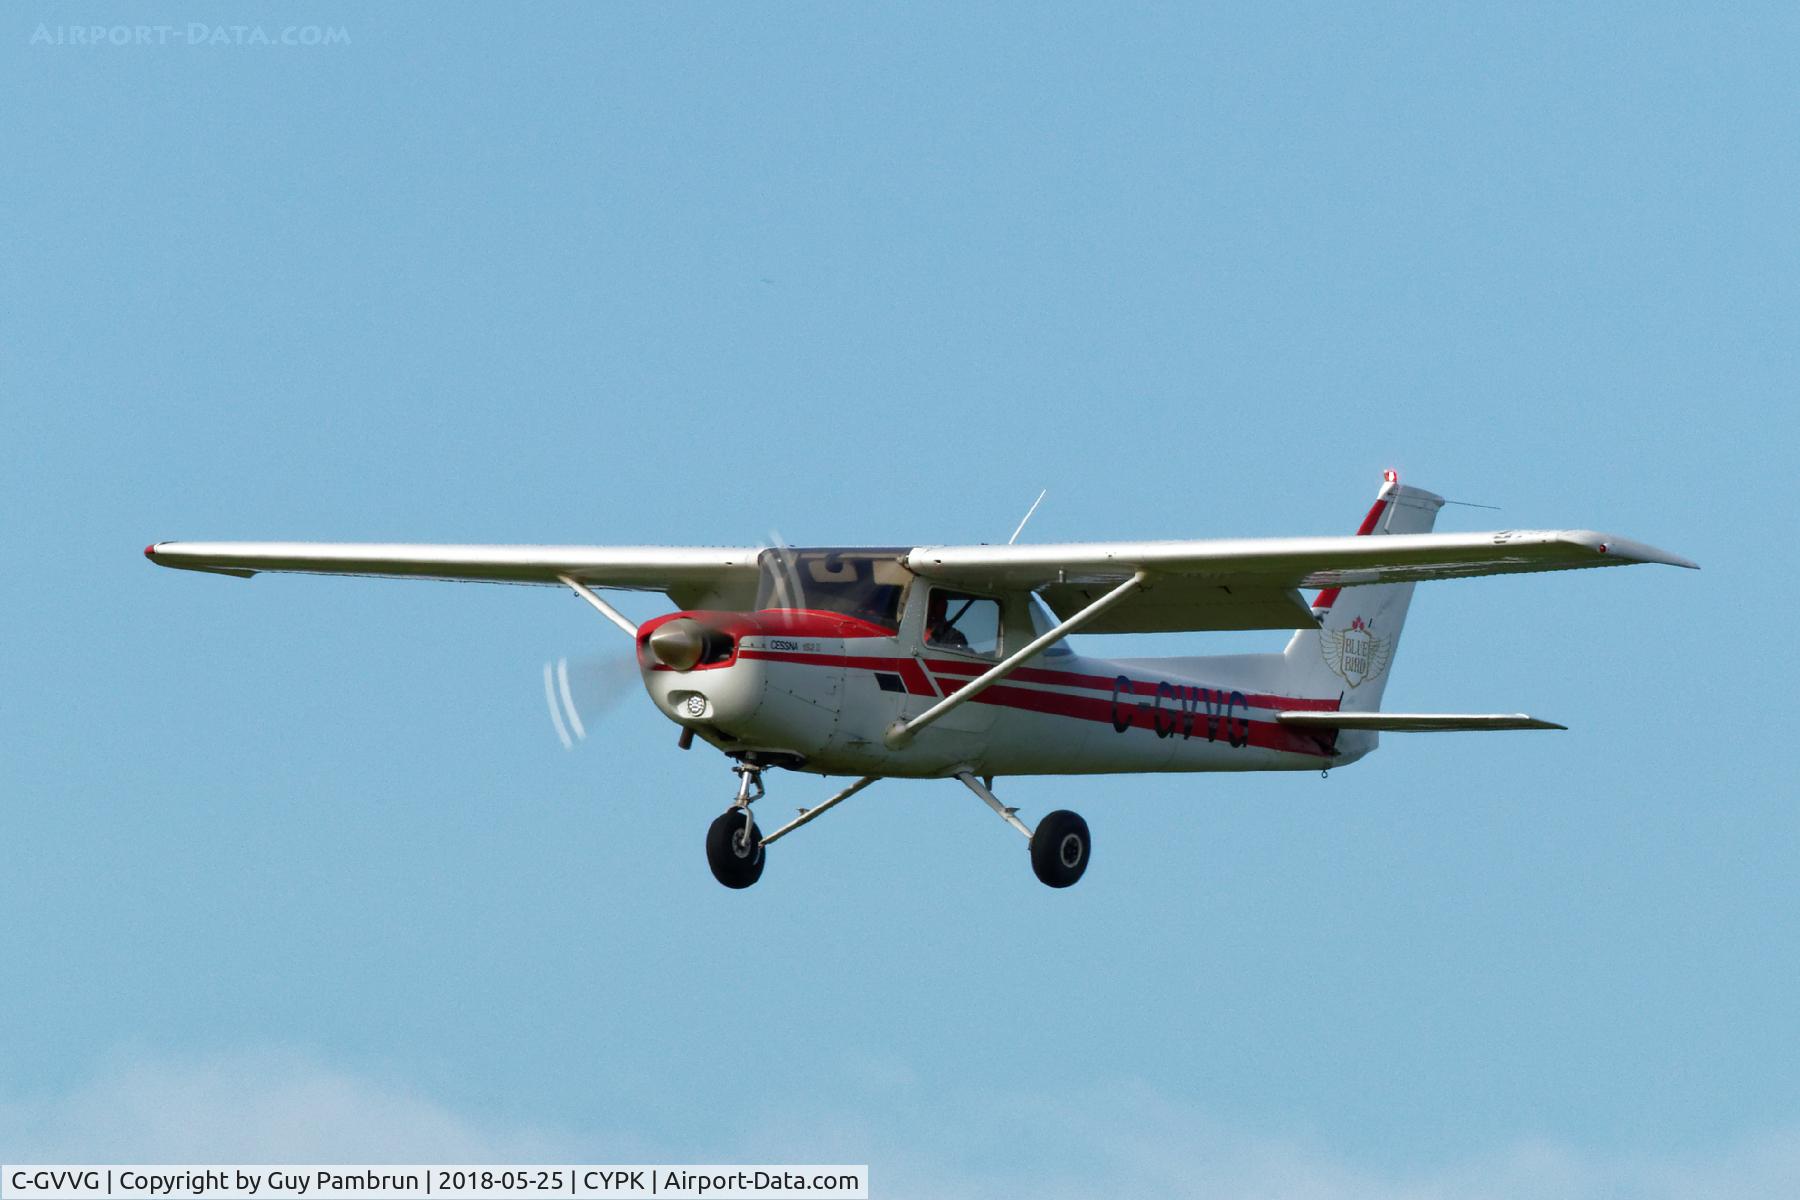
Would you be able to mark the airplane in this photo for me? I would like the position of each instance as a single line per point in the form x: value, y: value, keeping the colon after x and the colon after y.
x: 950, y: 662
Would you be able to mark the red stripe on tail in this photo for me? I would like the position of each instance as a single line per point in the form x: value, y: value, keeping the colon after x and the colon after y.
x: 1329, y: 596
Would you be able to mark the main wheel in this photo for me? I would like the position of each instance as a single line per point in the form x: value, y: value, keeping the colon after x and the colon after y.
x: 736, y: 861
x: 1060, y: 848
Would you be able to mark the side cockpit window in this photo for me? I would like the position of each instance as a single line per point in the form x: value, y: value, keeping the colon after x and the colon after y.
x: 959, y: 621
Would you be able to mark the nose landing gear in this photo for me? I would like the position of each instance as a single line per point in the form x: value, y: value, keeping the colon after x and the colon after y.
x: 734, y: 845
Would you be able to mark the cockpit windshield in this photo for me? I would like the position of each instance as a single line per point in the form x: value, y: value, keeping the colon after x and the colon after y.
x: 858, y: 583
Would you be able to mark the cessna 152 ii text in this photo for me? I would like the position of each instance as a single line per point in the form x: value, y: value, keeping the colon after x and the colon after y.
x: 948, y: 662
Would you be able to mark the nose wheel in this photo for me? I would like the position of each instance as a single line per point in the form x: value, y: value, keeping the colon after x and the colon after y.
x: 734, y: 848
x: 734, y: 845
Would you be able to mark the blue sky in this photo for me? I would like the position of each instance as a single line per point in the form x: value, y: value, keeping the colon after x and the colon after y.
x: 297, y: 867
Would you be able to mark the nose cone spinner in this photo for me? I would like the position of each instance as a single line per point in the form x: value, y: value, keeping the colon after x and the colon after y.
x: 678, y: 644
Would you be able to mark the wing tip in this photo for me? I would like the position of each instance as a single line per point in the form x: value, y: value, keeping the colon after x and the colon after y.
x: 1639, y: 552
x: 157, y: 553
x: 1631, y: 551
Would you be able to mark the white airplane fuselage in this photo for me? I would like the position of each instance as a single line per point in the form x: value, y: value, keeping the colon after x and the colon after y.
x: 818, y: 690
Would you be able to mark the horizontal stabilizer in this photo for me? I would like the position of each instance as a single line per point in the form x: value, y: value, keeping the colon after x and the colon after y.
x: 1386, y: 722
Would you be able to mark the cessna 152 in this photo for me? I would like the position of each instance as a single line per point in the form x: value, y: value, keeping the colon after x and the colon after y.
x: 948, y: 662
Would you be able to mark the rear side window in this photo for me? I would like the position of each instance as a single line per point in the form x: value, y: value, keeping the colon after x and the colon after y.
x: 960, y: 621
x: 1042, y: 622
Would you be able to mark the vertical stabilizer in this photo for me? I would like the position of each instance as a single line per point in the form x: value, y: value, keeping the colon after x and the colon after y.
x: 1353, y: 649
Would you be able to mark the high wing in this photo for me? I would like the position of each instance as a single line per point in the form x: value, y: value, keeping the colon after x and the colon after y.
x: 1189, y: 585
x: 697, y: 577
x: 1253, y: 583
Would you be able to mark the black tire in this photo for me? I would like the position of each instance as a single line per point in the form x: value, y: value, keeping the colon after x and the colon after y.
x: 1060, y: 849
x: 734, y: 862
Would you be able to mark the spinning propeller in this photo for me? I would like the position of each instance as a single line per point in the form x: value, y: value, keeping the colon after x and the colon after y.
x: 595, y: 684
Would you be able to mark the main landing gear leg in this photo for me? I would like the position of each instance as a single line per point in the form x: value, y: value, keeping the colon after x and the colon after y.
x: 1060, y: 847
x: 734, y: 848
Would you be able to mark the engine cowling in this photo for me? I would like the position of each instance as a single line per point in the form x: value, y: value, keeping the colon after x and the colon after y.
x: 771, y: 680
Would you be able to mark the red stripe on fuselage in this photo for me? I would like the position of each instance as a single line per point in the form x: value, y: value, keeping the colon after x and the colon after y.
x: 1186, y: 724
x: 1139, y: 687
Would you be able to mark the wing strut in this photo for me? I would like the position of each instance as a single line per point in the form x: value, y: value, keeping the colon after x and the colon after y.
x: 901, y: 732
x: 808, y: 814
x: 606, y: 610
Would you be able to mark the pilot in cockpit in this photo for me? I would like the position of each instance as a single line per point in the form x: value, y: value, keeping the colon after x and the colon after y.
x: 940, y: 623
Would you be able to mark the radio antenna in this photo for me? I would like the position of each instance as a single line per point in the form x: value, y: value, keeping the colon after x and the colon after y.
x: 1027, y: 517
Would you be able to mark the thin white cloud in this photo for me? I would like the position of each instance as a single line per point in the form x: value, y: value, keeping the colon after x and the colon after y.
x: 1126, y: 1140
x: 1129, y: 1140
x: 266, y: 1106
